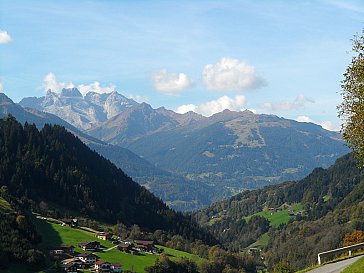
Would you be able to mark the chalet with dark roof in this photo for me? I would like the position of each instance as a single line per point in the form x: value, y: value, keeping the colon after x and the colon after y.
x: 125, y: 247
x: 144, y: 245
x: 90, y: 246
x: 70, y: 222
x: 64, y: 249
x: 103, y: 236
x: 73, y: 262
x: 88, y: 258
x: 116, y: 268
x: 103, y: 267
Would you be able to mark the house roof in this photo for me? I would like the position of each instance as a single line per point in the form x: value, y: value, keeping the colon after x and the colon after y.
x: 103, y: 233
x: 101, y: 262
x: 70, y: 266
x: 123, y: 244
x: 71, y: 260
x: 89, y: 243
x: 87, y: 255
x: 116, y: 265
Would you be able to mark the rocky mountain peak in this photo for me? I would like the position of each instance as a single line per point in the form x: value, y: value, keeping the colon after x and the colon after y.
x: 5, y: 100
x: 71, y: 92
x: 81, y: 111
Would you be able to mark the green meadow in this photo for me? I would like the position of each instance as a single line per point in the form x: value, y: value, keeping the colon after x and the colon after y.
x: 356, y: 267
x: 278, y: 217
x: 54, y: 234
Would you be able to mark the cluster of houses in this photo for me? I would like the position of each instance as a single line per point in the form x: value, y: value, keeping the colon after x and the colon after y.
x: 290, y: 210
x: 136, y: 246
x: 72, y: 262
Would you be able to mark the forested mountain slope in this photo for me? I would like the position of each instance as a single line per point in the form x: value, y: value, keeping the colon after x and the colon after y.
x: 18, y: 236
x: 178, y: 192
x: 333, y: 202
x: 53, y: 166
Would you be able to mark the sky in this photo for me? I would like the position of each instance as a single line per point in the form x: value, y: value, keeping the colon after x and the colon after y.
x: 285, y: 58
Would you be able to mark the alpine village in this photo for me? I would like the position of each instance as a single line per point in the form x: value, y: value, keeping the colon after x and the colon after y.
x: 97, y: 180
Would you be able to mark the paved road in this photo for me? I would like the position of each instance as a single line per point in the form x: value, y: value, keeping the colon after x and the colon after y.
x: 110, y: 248
x: 335, y: 267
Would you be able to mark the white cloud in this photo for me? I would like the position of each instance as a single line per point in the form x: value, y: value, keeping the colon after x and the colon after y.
x: 299, y: 102
x: 139, y: 98
x: 231, y: 75
x: 1, y: 87
x: 327, y: 125
x: 95, y: 87
x: 171, y: 83
x: 187, y: 108
x: 4, y: 37
x: 304, y: 119
x: 214, y: 106
x: 50, y: 82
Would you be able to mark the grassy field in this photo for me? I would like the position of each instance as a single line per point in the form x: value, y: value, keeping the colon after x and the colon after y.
x: 279, y: 217
x: 55, y: 234
x: 275, y: 218
x: 357, y: 267
x: 261, y: 242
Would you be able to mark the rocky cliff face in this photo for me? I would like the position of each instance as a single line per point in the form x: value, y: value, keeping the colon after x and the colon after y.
x: 83, y: 112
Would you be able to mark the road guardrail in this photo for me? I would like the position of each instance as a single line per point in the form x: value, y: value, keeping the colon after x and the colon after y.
x: 339, y: 250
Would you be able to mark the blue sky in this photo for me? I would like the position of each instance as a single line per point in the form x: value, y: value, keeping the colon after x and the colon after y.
x: 276, y: 57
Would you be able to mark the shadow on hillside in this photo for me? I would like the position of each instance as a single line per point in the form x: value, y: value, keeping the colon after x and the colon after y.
x: 50, y: 237
x: 170, y: 256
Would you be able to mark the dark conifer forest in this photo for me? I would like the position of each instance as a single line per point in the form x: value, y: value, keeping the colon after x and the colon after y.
x: 55, y: 167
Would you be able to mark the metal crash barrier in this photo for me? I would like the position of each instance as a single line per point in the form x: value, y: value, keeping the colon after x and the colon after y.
x: 339, y: 250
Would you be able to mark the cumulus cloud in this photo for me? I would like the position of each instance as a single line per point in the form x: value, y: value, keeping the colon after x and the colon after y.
x: 299, y: 102
x: 304, y: 119
x: 214, y: 106
x: 187, y: 108
x: 171, y: 83
x: 50, y: 82
x: 139, y: 98
x: 328, y: 125
x: 95, y: 87
x: 4, y: 37
x: 231, y: 75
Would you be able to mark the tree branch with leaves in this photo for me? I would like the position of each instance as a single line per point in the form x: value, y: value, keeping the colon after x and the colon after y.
x: 351, y: 110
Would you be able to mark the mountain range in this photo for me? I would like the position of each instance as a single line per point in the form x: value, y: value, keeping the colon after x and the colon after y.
x: 80, y: 111
x: 209, y: 157
x: 176, y: 191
